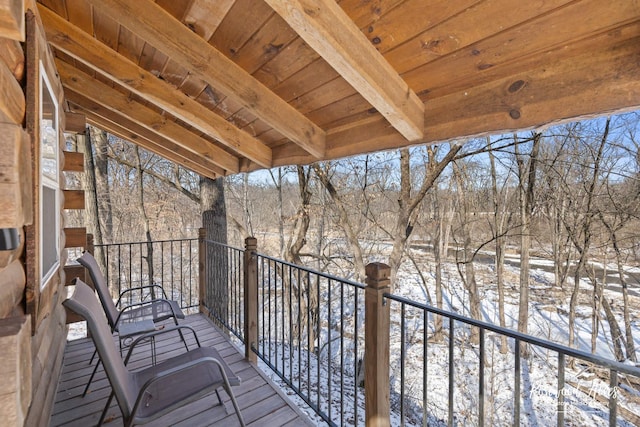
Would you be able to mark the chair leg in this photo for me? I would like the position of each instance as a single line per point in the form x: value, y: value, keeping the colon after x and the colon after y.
x: 95, y: 351
x: 175, y: 320
x: 106, y: 409
x: 183, y: 340
x: 227, y: 388
x: 86, y: 389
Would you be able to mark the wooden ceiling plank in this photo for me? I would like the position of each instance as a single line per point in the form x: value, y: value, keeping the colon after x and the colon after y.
x: 274, y: 36
x: 550, y: 93
x: 122, y: 127
x: 204, y: 16
x: 116, y: 101
x: 404, y: 23
x: 462, y: 30
x: 243, y: 19
x: 85, y: 48
x: 331, y: 33
x: 80, y: 15
x: 466, y: 66
x: 158, y: 28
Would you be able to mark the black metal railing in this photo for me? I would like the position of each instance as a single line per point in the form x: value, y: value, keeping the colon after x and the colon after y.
x: 444, y: 368
x: 484, y: 386
x: 310, y: 333
x: 172, y: 264
x: 224, y: 294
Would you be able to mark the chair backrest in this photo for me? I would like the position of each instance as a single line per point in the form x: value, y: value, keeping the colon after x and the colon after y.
x: 89, y: 262
x: 84, y: 303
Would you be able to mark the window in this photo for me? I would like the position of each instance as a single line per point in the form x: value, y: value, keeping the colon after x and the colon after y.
x: 49, y: 182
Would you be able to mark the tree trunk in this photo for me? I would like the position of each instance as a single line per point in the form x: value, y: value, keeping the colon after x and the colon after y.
x: 408, y: 203
x: 310, y: 313
x: 214, y: 221
x: 344, y: 222
x: 467, y: 276
x: 526, y: 176
x: 630, y: 343
x: 144, y: 218
x: 99, y: 139
x: 498, y: 226
x: 586, y: 233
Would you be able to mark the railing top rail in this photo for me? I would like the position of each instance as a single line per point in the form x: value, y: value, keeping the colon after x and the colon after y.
x: 224, y: 245
x: 612, y: 364
x: 312, y: 271
x: 144, y: 242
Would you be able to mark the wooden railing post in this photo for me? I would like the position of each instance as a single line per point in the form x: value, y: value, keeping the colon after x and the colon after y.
x: 376, y: 353
x: 250, y: 298
x: 202, y: 271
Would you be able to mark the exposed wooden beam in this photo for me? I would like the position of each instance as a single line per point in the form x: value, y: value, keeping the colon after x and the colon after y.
x: 12, y: 19
x: 99, y: 57
x: 122, y: 127
x: 110, y: 98
x: 157, y: 27
x: 334, y: 36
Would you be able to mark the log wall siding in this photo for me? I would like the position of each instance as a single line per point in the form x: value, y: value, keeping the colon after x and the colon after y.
x: 32, y: 320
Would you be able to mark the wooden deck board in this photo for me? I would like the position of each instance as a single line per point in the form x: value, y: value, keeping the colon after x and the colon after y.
x: 260, y: 403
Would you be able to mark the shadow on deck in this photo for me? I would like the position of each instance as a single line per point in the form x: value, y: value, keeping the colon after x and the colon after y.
x: 260, y: 401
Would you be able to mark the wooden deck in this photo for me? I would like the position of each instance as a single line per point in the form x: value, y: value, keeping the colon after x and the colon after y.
x: 260, y: 402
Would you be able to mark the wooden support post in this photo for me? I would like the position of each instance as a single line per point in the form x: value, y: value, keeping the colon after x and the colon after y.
x: 202, y: 270
x: 376, y: 353
x: 250, y: 298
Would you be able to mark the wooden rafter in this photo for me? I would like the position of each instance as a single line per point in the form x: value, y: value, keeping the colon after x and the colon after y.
x: 99, y: 57
x: 121, y: 127
x: 334, y: 36
x: 153, y: 24
x: 81, y: 83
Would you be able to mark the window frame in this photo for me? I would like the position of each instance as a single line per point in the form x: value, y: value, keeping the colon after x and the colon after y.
x: 46, y: 181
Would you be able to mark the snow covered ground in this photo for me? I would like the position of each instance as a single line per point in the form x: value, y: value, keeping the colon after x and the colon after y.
x: 586, y: 391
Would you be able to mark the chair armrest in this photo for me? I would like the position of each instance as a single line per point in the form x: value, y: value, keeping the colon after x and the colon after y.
x: 156, y: 333
x: 178, y: 369
x: 141, y: 288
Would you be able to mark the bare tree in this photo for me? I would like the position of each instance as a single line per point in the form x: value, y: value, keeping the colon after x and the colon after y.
x: 214, y: 221
x: 581, y: 236
x: 465, y: 266
x: 526, y: 185
x: 500, y: 219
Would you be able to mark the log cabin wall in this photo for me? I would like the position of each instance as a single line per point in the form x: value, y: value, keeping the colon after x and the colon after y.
x: 32, y: 319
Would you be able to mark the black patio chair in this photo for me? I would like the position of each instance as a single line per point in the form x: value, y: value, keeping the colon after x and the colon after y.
x: 147, y: 394
x: 131, y: 320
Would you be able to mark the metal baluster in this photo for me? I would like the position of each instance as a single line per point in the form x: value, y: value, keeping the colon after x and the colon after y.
x: 451, y: 371
x: 299, y: 332
x: 481, y: 381
x: 402, y: 357
x: 318, y: 346
x: 355, y: 359
x: 516, y: 386
x: 329, y: 283
x: 309, y: 343
x: 341, y: 352
x: 613, y: 398
x: 290, y: 324
x: 560, y: 408
x: 425, y: 365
